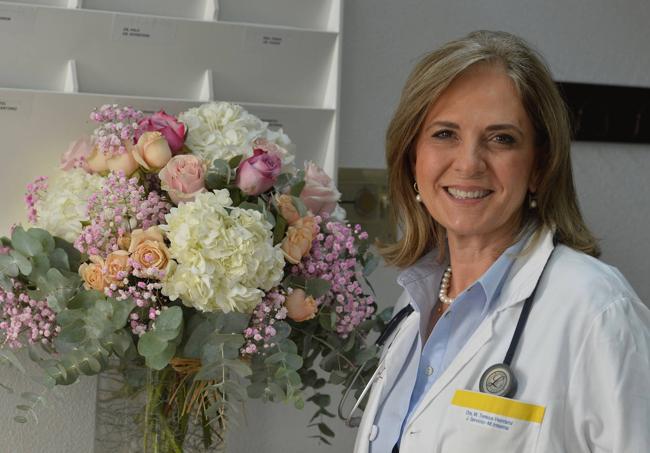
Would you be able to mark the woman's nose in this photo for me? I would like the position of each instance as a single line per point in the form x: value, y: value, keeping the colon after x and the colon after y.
x: 469, y: 160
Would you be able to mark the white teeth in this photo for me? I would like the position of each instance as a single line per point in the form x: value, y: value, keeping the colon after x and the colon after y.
x: 461, y: 194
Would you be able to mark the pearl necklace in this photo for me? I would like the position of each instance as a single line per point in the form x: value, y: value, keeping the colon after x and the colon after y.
x: 444, y: 288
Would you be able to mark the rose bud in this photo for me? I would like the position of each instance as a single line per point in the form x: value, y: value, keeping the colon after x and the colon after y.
x: 117, y: 263
x: 152, y: 151
x: 299, y: 306
x: 297, y: 242
x: 287, y: 209
x: 93, y: 273
x: 258, y: 173
x: 96, y: 161
x: 172, y: 129
x: 151, y: 255
x: 319, y: 194
x: 183, y: 177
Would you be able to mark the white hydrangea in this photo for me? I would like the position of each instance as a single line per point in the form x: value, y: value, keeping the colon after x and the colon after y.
x: 63, y: 207
x: 220, y: 130
x: 224, y: 256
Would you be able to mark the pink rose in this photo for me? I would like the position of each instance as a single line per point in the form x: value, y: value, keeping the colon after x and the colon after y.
x: 172, y: 129
x: 319, y: 194
x: 76, y: 155
x: 258, y: 173
x: 183, y: 177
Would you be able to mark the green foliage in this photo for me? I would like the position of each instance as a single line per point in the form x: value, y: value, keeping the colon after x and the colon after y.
x: 159, y: 344
x: 219, y: 175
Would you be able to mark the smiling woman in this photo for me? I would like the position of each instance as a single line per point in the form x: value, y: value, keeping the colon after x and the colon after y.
x: 512, y: 333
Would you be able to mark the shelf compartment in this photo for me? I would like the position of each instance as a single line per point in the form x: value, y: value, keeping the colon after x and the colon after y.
x: 121, y: 54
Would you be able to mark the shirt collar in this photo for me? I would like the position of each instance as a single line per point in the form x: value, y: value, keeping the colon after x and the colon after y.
x: 427, y: 271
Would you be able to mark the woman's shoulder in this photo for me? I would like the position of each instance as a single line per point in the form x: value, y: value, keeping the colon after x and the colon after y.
x: 579, y: 276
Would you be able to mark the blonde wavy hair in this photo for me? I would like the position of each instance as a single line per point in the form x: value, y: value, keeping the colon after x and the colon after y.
x: 557, y: 204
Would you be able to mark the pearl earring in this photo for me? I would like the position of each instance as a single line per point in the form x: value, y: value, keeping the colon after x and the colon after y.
x: 418, y: 198
x: 532, y: 201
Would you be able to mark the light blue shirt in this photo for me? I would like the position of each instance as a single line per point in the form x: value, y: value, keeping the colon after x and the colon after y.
x: 425, y: 363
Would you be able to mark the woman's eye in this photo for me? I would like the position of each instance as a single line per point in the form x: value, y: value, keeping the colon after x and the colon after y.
x: 504, y: 139
x: 443, y: 134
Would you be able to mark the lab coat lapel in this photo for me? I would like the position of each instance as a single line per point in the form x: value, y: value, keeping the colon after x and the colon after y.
x: 398, y: 351
x: 520, y: 284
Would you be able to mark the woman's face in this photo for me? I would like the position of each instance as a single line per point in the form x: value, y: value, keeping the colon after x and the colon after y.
x: 475, y: 156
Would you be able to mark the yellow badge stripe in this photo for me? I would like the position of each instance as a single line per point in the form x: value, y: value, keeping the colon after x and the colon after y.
x: 499, y: 406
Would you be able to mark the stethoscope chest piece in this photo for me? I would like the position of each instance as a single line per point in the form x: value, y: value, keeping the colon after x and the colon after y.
x: 498, y: 380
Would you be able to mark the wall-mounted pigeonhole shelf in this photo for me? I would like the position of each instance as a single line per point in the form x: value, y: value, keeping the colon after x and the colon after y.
x: 279, y: 59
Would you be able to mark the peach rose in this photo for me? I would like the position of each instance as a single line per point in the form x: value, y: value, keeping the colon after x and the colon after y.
x: 299, y: 306
x: 288, y: 209
x: 93, y: 273
x: 297, y: 242
x: 96, y: 161
x: 151, y: 254
x: 117, y: 267
x: 124, y: 241
x: 154, y: 233
x: 152, y: 151
x: 123, y: 162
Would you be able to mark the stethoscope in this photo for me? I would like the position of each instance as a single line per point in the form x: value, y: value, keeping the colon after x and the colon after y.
x: 497, y: 380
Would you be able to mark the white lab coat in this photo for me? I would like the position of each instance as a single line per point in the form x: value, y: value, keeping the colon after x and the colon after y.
x: 584, y: 356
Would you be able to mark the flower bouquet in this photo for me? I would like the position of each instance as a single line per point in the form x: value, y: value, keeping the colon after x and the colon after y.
x: 190, y: 255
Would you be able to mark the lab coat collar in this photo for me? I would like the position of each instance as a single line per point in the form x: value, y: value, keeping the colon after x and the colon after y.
x: 526, y: 269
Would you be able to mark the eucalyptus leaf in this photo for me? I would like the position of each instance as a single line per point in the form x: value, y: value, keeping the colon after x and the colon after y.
x: 40, y: 266
x: 170, y: 319
x: 122, y: 341
x: 150, y: 344
x: 238, y: 367
x: 74, y: 256
x: 5, y: 283
x: 296, y: 189
x: 8, y: 356
x: 235, y: 322
x: 160, y: 361
x: 282, y: 330
x: 121, y: 311
x: 256, y: 390
x: 278, y: 357
x: 24, y: 265
x: 300, y: 206
x: 8, y: 266
x: 251, y: 206
x: 199, y: 333
x: 371, y: 265
x: 317, y: 287
x: 44, y: 237
x: 59, y: 259
x: 234, y: 162
x: 280, y: 229
x: 293, y: 361
x: 26, y: 244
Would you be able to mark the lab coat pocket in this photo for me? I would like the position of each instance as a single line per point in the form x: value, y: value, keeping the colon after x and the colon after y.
x: 476, y: 421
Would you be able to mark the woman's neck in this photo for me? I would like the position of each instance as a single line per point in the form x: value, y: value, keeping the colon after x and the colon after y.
x: 470, y: 258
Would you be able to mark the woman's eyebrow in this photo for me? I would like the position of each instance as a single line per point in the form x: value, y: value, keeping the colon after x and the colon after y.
x: 447, y: 124
x: 500, y: 127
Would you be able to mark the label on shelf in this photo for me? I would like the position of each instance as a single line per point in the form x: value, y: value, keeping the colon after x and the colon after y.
x: 154, y: 30
x: 15, y: 105
x: 16, y: 20
x: 262, y: 40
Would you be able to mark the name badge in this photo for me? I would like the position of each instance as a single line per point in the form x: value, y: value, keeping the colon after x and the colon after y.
x: 496, y: 411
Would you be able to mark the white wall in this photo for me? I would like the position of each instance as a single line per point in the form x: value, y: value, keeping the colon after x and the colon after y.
x: 590, y: 41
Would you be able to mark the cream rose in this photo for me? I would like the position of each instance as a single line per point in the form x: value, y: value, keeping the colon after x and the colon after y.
x: 96, y: 161
x: 123, y: 162
x: 287, y: 209
x: 151, y: 254
x: 138, y: 236
x: 298, y: 240
x: 152, y: 151
x: 117, y: 267
x: 183, y: 177
x: 319, y: 194
x: 93, y: 273
x: 300, y: 307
